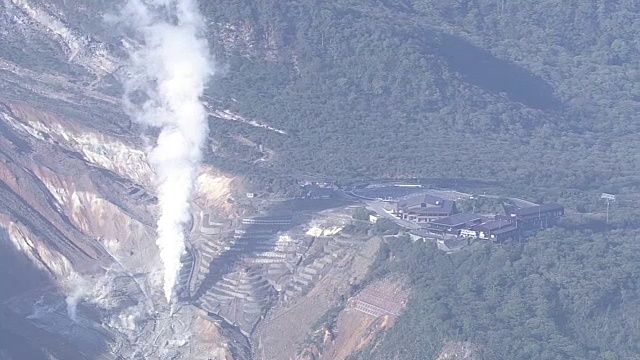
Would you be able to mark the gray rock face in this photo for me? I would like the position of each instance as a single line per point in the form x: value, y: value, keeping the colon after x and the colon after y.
x: 79, y: 261
x: 77, y: 202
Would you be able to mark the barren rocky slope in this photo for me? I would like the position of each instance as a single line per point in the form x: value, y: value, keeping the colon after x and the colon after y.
x: 77, y: 204
x: 77, y: 212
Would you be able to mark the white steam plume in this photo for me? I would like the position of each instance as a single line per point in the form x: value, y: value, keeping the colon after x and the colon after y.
x: 169, y: 74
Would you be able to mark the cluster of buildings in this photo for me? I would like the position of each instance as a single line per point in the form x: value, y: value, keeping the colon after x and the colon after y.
x: 441, y: 219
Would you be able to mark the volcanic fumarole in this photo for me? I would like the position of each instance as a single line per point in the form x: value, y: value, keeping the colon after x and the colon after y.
x: 168, y: 74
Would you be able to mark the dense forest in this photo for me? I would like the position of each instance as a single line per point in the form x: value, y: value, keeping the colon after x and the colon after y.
x: 564, y: 294
x: 538, y: 98
x: 535, y: 96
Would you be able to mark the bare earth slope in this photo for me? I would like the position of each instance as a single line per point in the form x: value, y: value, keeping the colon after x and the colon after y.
x: 78, y: 209
x: 76, y: 196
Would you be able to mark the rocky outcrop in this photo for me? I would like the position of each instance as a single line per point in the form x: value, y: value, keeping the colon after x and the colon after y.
x: 63, y: 193
x: 80, y: 204
x: 76, y: 46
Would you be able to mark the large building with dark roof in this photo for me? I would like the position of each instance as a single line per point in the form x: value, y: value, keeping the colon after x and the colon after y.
x: 443, y: 221
x: 453, y: 224
x: 498, y: 228
x: 495, y: 230
x: 424, y: 208
x: 535, y: 217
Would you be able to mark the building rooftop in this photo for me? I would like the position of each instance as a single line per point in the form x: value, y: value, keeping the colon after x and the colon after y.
x: 427, y: 205
x: 445, y: 208
x: 494, y: 225
x: 417, y: 201
x: 459, y: 219
x: 509, y: 208
x: 505, y: 229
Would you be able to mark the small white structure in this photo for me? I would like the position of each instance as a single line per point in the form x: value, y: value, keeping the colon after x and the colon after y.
x: 373, y: 218
x: 468, y: 233
x: 251, y: 195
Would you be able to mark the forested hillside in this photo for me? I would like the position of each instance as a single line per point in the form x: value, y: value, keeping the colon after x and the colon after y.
x: 541, y: 97
x: 561, y: 295
x: 534, y: 95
